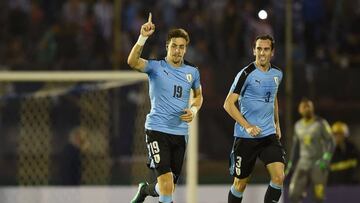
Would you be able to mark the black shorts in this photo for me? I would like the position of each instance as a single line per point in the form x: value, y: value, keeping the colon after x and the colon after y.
x: 166, y: 152
x: 246, y: 150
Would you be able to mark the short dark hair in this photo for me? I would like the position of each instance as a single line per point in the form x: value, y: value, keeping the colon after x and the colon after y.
x: 265, y: 37
x: 178, y: 32
x: 306, y: 100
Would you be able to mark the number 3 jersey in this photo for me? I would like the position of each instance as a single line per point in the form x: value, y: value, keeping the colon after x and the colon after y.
x: 257, y: 90
x: 169, y: 91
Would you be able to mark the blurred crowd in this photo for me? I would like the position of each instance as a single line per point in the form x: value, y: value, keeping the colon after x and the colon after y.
x: 79, y: 35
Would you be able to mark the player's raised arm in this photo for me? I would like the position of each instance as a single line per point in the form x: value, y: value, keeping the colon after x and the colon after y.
x: 134, y: 59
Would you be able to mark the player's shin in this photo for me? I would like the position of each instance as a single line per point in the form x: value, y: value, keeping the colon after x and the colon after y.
x: 273, y: 193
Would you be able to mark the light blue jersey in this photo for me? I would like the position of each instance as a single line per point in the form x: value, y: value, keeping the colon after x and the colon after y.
x: 169, y: 91
x: 257, y: 90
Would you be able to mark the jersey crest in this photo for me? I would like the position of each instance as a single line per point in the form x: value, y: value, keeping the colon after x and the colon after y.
x: 276, y: 79
x: 189, y: 77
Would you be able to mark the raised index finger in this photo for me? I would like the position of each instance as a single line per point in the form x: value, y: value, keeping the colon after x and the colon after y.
x: 150, y: 18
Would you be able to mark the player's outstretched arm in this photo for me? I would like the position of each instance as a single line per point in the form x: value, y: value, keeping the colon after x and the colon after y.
x: 134, y: 59
x: 233, y: 111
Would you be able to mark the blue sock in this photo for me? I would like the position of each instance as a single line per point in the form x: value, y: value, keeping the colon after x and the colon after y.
x: 235, y: 192
x: 165, y: 198
x: 234, y: 195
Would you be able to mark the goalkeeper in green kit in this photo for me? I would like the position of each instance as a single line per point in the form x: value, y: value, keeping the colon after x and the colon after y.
x: 315, y: 143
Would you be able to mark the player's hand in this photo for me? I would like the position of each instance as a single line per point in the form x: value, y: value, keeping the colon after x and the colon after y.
x: 187, y: 116
x: 253, y: 130
x: 324, y: 162
x: 148, y: 28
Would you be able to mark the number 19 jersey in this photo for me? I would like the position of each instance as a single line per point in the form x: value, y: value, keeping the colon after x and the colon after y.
x: 257, y: 90
x: 169, y: 91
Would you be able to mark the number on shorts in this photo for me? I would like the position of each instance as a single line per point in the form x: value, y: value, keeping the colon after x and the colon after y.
x: 154, y: 148
x: 238, y: 165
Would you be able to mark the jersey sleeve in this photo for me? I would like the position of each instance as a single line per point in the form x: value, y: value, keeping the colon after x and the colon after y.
x: 239, y: 83
x: 281, y: 77
x: 196, y: 83
x: 150, y: 67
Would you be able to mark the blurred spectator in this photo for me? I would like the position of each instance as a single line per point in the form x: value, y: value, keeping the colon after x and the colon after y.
x: 313, y: 15
x: 15, y: 56
x: 46, y: 50
x: 68, y: 47
x: 104, y: 14
x: 18, y: 16
x: 23, y: 5
x: 344, y: 167
x: 71, y: 166
x: 349, y: 53
x: 74, y: 11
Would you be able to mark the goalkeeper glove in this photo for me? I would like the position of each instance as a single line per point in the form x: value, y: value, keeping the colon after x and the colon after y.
x: 324, y: 162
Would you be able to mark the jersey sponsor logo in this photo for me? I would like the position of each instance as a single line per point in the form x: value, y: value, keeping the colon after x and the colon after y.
x: 258, y: 81
x: 276, y: 79
x: 189, y: 77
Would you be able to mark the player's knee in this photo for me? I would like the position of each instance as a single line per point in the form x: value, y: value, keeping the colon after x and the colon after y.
x: 166, y: 183
x: 278, y: 178
x: 240, y: 184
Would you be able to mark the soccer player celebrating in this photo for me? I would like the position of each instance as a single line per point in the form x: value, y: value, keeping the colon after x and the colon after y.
x: 170, y: 82
x: 257, y: 129
x: 314, y: 139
